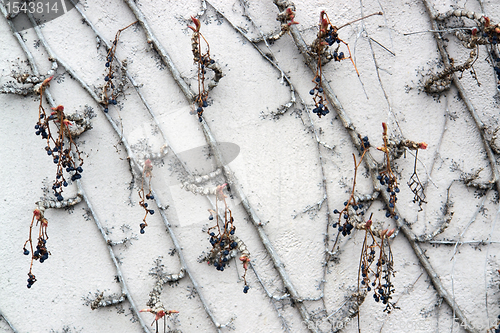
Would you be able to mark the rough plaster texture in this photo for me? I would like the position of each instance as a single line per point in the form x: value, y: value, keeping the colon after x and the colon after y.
x: 277, y: 166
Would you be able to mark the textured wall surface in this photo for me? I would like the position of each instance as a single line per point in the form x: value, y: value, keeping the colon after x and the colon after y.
x: 286, y: 168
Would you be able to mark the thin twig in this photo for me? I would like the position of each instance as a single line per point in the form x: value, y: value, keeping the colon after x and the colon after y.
x: 274, y: 299
x: 455, y: 242
x: 455, y: 249
x: 373, y: 169
x: 437, y: 30
x: 377, y: 69
x: 108, y: 241
x: 167, y: 144
x: 8, y: 322
x: 319, y: 143
x: 138, y: 169
x: 80, y: 188
x: 463, y: 95
x: 230, y: 177
x: 152, y: 40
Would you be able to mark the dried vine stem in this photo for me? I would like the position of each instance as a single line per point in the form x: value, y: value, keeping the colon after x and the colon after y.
x: 231, y: 179
x: 433, y: 14
x: 125, y: 291
x: 12, y: 327
x: 374, y: 170
x: 191, y: 187
x: 151, y: 39
x: 155, y: 304
x: 236, y: 187
x: 271, y: 59
x: 80, y: 188
x: 162, y: 152
x: 138, y: 169
x: 166, y: 147
x: 294, y: 95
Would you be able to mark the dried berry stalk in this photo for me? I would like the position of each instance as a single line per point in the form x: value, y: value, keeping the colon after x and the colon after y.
x: 223, y: 239
x: 62, y: 157
x: 203, y: 61
x: 146, y: 178
x: 109, y: 93
x: 351, y: 205
x: 375, y: 271
x: 485, y: 33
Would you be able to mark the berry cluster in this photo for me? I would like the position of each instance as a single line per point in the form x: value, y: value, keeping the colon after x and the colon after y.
x: 327, y: 36
x: 146, y: 176
x: 31, y: 280
x: 387, y: 178
x: 318, y: 98
x: 203, y: 61
x: 351, y: 205
x: 222, y: 245
x: 41, y: 254
x: 364, y: 143
x: 375, y: 271
x: 109, y: 86
x: 62, y: 157
x: 347, y: 226
x: 109, y: 93
x: 223, y: 240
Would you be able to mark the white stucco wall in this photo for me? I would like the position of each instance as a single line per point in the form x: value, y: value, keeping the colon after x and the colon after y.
x: 278, y: 167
